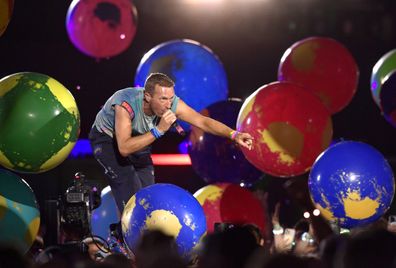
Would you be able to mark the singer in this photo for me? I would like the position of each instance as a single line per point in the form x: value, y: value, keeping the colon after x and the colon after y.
x: 131, y: 120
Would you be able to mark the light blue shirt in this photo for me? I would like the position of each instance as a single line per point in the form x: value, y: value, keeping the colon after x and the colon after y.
x: 133, y: 98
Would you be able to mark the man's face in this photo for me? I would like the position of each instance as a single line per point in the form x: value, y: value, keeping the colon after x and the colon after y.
x: 162, y: 99
x: 94, y: 252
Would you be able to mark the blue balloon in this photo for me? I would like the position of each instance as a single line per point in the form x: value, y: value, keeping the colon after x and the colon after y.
x: 168, y: 208
x: 19, y: 212
x: 205, y: 149
x: 199, y: 76
x: 106, y: 214
x: 352, y: 184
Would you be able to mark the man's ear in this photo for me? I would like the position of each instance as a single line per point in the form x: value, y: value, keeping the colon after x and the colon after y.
x: 147, y: 96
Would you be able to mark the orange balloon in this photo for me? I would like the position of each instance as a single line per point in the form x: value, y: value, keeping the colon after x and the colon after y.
x: 6, y: 7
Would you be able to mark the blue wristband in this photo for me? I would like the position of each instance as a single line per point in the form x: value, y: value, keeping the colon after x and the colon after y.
x: 156, y: 133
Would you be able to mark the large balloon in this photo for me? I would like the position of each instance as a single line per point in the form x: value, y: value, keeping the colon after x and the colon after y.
x: 19, y: 212
x: 352, y: 184
x: 290, y: 127
x: 384, y: 66
x: 39, y: 122
x: 388, y: 98
x: 230, y: 203
x: 6, y: 7
x: 101, y: 28
x: 198, y: 73
x: 168, y: 208
x: 323, y: 66
x: 217, y: 159
x: 106, y: 214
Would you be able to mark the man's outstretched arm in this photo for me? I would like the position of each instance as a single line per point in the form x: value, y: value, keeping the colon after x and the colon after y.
x: 207, y: 124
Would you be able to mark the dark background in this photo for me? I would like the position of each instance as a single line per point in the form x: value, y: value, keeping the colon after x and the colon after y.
x: 249, y: 36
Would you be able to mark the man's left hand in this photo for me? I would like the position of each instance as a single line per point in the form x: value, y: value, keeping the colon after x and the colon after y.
x: 244, y: 140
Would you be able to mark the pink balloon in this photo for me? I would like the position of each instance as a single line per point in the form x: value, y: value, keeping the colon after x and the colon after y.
x: 101, y: 28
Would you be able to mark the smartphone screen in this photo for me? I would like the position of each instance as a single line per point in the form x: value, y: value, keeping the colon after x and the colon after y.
x: 289, y: 234
x: 392, y: 219
x: 285, y: 241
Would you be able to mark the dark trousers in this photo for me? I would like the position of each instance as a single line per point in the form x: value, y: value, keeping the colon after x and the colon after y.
x: 126, y: 175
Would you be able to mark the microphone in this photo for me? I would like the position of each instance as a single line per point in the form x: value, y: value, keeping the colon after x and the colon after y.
x: 178, y: 128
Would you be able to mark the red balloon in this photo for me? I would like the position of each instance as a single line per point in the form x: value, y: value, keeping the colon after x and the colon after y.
x: 323, y: 66
x: 101, y: 28
x: 290, y: 127
x: 230, y: 203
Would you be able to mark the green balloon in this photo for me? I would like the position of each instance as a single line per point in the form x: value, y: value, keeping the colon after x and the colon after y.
x: 39, y: 122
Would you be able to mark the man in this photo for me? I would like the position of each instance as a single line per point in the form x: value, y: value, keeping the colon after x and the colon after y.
x: 96, y: 248
x: 131, y: 120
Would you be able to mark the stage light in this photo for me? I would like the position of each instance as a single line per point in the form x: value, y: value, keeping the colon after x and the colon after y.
x: 171, y: 159
x: 202, y: 2
x: 316, y: 212
x: 83, y: 149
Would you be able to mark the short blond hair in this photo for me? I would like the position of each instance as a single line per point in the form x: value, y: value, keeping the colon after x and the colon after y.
x: 157, y: 79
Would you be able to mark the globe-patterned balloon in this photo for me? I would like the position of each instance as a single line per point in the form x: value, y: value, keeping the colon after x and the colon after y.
x: 106, y: 214
x: 388, y: 98
x: 384, y: 66
x: 101, y: 28
x: 19, y: 212
x: 218, y: 159
x: 6, y: 7
x: 39, y: 122
x: 199, y: 76
x: 230, y: 203
x: 290, y: 127
x: 352, y: 184
x: 168, y: 208
x: 323, y: 66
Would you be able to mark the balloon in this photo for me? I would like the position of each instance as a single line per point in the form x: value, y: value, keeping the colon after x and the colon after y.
x: 6, y: 7
x: 323, y: 66
x: 352, y: 184
x: 105, y: 214
x: 384, y: 66
x: 168, y: 208
x: 101, y: 28
x: 19, y: 212
x: 290, y: 127
x: 388, y: 98
x: 197, y: 72
x: 230, y: 203
x: 217, y: 159
x: 39, y: 122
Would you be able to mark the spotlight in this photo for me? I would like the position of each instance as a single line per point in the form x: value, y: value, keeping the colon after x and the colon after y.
x: 316, y: 212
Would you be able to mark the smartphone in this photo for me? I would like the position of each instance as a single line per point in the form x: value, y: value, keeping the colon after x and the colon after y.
x: 289, y: 234
x: 222, y: 226
x: 392, y: 219
x: 307, y: 238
